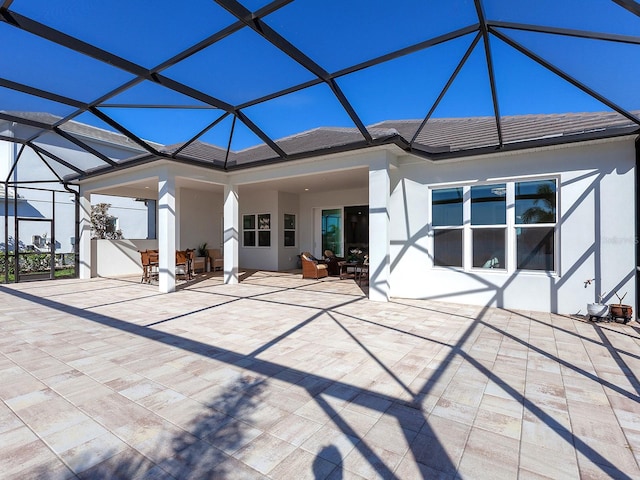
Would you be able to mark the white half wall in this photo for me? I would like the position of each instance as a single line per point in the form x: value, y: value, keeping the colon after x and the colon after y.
x: 114, y: 258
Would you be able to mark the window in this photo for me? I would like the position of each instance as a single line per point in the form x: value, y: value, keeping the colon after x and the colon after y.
x: 489, y: 225
x: 289, y: 230
x: 447, y: 222
x: 487, y: 214
x: 535, y: 211
x: 249, y: 230
x: 256, y: 227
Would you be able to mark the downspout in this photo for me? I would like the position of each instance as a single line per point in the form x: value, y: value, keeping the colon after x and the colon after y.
x: 76, y: 244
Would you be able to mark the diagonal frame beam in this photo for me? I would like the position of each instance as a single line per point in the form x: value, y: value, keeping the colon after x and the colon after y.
x: 484, y: 30
x: 564, y: 75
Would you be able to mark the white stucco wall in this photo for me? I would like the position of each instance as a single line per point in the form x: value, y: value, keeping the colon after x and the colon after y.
x: 595, y: 234
x: 257, y: 202
x: 113, y: 258
x: 201, y: 217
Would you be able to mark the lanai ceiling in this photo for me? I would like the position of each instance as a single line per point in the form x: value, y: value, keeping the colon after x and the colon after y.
x: 235, y: 83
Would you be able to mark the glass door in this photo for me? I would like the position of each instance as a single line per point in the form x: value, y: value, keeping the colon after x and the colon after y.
x: 332, y: 231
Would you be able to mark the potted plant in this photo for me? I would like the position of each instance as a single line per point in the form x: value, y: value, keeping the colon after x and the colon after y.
x: 619, y: 310
x: 596, y: 310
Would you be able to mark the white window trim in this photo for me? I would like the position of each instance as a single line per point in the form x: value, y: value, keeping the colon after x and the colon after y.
x: 294, y: 230
x: 257, y: 230
x: 511, y: 226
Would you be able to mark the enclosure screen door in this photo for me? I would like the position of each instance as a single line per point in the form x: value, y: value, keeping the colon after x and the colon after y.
x: 36, y: 252
x: 332, y: 230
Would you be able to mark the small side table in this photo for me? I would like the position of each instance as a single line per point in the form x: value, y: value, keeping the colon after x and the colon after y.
x: 344, y: 269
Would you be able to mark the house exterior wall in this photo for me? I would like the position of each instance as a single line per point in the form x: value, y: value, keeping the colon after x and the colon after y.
x: 201, y: 217
x: 309, y: 235
x: 595, y: 229
x: 253, y: 203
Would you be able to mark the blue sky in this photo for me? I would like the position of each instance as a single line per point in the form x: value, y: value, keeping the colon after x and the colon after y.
x: 333, y: 33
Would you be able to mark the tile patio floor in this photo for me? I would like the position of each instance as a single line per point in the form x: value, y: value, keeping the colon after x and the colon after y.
x: 284, y: 378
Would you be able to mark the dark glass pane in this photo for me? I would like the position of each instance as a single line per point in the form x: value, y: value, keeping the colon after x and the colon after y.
x: 489, y: 204
x: 249, y: 239
x: 264, y: 221
x: 489, y: 247
x: 289, y: 238
x: 289, y: 221
x: 535, y: 248
x: 446, y: 207
x: 264, y: 238
x: 447, y: 248
x: 248, y: 222
x: 536, y: 202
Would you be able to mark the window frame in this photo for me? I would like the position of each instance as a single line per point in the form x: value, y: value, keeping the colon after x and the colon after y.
x: 257, y: 227
x: 285, y: 230
x: 511, y: 227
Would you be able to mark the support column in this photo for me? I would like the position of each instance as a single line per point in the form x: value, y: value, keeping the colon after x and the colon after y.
x: 84, y: 242
x: 231, y: 234
x: 379, y: 230
x: 167, y: 232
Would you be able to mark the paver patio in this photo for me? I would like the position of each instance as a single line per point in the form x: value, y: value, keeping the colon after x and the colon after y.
x: 285, y: 378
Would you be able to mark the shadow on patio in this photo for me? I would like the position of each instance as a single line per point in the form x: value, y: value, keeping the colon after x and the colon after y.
x: 331, y: 382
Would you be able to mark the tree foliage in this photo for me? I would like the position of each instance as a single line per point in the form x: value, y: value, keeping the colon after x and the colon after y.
x: 103, y: 225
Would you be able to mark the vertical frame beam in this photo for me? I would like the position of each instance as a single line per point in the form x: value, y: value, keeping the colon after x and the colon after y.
x: 167, y: 231
x: 231, y: 234
x: 83, y: 240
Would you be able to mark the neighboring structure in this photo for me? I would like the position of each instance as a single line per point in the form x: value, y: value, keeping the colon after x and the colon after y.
x: 39, y: 201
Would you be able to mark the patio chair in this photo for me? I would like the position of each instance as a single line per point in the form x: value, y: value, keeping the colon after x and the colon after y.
x: 311, y: 268
x: 183, y: 263
x: 333, y: 262
x: 216, y: 259
x: 362, y: 271
x: 149, y: 262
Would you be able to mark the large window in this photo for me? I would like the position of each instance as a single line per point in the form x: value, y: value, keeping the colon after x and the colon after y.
x: 487, y: 214
x: 256, y: 227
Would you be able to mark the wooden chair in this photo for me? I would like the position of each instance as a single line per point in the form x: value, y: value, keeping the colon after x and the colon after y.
x: 183, y: 263
x: 198, y: 263
x: 311, y: 268
x: 216, y: 259
x: 149, y: 260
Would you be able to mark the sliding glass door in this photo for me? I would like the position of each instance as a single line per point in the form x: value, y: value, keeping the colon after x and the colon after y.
x: 332, y: 230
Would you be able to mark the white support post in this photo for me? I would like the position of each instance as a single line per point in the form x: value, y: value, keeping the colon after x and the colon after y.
x: 167, y: 232
x: 379, y: 230
x: 84, y: 246
x: 231, y: 234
